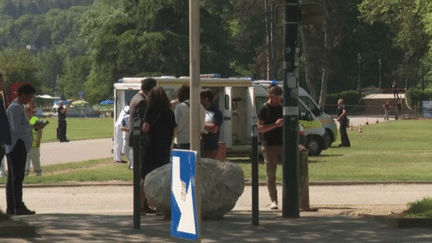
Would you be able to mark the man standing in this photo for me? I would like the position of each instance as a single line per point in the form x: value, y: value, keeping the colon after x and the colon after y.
x: 22, y: 139
x: 213, y: 122
x: 62, y: 126
x: 270, y: 126
x: 138, y: 106
x: 5, y: 134
x: 342, y: 118
x: 118, y: 136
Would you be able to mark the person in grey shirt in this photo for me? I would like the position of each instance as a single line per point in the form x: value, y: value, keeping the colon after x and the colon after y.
x: 22, y: 139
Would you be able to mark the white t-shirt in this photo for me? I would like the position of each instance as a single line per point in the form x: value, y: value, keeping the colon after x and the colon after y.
x: 182, y: 118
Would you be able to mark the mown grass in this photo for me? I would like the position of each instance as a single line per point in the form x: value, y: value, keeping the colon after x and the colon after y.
x: 392, y: 151
x: 421, y: 208
x: 80, y: 128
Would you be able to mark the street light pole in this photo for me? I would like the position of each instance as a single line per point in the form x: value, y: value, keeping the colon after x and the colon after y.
x: 406, y: 70
x: 421, y: 73
x: 359, y: 77
x: 379, y: 62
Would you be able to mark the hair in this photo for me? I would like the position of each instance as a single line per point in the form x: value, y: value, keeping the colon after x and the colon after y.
x: 207, y: 94
x: 147, y: 84
x: 159, y: 99
x: 183, y: 93
x: 26, y: 88
x: 275, y: 90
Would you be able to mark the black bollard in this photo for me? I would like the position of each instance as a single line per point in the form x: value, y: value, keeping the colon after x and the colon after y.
x: 255, y: 189
x: 136, y: 133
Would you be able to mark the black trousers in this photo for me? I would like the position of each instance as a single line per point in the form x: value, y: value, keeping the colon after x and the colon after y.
x: 14, y: 185
x: 62, y: 130
x: 343, y: 133
x: 2, y: 153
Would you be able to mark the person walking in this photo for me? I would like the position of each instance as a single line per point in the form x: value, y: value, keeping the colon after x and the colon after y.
x: 270, y: 127
x: 5, y: 133
x: 22, y: 139
x: 342, y: 118
x: 62, y: 125
x: 159, y: 124
x: 213, y: 122
x: 126, y: 129
x: 387, y: 108
x: 395, y: 89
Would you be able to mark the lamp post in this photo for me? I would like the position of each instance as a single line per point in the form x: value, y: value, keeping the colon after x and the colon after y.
x: 359, y: 60
x: 406, y: 70
x: 421, y: 73
x: 379, y: 62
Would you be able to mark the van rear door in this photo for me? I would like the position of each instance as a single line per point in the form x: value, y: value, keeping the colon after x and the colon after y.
x: 226, y: 107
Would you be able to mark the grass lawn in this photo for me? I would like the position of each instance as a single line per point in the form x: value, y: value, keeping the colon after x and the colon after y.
x: 391, y: 151
x: 420, y: 209
x: 80, y: 129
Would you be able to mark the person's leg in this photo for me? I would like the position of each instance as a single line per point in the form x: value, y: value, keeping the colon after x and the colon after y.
x: 17, y: 162
x: 2, y: 161
x: 62, y: 130
x: 27, y: 166
x: 35, y: 158
x: 118, y: 143
x: 344, y: 135
x: 270, y: 160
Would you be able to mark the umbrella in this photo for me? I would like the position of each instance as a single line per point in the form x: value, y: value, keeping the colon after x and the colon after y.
x: 107, y: 102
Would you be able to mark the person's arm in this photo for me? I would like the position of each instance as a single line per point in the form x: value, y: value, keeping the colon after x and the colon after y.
x: 146, y: 127
x: 178, y: 115
x: 342, y: 115
x: 18, y: 125
x: 211, y: 127
x: 262, y: 128
x: 39, y: 137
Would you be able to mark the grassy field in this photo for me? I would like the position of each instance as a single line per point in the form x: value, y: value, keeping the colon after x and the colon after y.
x: 392, y: 151
x: 80, y: 128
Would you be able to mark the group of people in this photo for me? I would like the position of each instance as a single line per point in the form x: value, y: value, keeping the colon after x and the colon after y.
x: 164, y: 122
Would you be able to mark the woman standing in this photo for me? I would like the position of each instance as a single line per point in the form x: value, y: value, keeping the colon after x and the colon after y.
x: 159, y: 123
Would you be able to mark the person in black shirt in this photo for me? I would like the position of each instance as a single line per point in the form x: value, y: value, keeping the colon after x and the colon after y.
x: 342, y: 118
x: 62, y: 125
x: 5, y: 133
x: 270, y: 126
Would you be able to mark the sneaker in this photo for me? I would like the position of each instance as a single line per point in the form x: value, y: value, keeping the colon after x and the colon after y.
x: 274, y: 205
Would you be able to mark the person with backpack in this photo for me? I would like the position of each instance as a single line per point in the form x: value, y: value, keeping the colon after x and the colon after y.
x: 182, y: 118
x: 270, y: 127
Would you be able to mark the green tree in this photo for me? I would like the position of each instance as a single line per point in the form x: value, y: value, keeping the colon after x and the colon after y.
x: 19, y: 66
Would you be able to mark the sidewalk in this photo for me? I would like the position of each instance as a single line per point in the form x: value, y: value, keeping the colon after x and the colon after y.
x: 104, y: 214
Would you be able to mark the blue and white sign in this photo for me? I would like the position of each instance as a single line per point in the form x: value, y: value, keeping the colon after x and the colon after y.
x: 427, y: 109
x: 184, y: 218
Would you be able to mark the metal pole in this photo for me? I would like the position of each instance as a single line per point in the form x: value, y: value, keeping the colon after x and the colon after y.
x: 406, y: 71
x: 136, y: 133
x: 359, y: 77
x: 195, y: 121
x: 379, y: 62
x: 255, y: 186
x: 290, y: 207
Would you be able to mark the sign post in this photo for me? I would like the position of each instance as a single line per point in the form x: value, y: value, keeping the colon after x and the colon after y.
x: 184, y: 216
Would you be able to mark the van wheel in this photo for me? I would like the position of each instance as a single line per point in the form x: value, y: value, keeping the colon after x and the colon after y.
x: 330, y: 137
x: 314, y: 146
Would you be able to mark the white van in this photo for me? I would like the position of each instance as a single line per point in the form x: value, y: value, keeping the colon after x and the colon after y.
x: 316, y: 136
x: 328, y: 123
x: 236, y: 98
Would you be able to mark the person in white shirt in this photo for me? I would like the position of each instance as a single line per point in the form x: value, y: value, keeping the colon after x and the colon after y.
x: 118, y: 136
x: 182, y: 117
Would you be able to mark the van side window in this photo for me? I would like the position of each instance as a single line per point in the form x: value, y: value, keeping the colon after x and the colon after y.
x: 311, y: 105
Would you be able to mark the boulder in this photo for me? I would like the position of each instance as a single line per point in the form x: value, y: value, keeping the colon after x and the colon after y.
x: 222, y: 185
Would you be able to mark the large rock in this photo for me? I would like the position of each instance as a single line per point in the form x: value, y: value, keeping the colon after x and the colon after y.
x: 222, y: 185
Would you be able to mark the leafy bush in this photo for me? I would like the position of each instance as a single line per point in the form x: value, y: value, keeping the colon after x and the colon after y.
x: 350, y: 97
x: 415, y: 95
x: 421, y: 208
